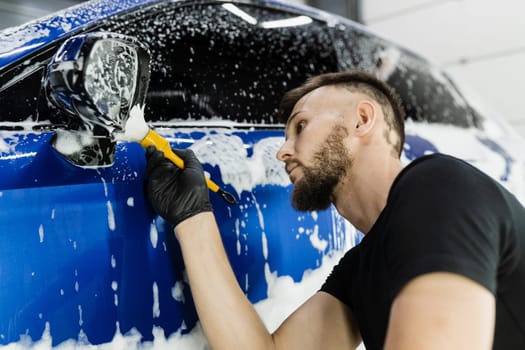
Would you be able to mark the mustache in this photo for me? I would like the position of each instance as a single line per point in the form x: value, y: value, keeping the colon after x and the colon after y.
x: 291, y: 164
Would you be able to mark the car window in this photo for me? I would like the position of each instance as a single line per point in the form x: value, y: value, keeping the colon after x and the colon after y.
x: 227, y: 62
x: 19, y: 91
x: 427, y: 93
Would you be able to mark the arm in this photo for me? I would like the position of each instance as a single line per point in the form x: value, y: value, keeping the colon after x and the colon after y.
x: 229, y: 319
x: 227, y: 316
x: 441, y: 311
x: 322, y: 322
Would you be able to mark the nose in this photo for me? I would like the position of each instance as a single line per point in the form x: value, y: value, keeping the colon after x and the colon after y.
x: 285, y: 151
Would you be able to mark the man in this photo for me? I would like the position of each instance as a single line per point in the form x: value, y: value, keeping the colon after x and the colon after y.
x: 442, y: 263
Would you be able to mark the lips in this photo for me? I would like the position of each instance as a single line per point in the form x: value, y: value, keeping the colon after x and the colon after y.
x: 289, y: 168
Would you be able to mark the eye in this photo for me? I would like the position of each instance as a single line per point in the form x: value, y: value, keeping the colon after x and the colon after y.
x: 300, y: 126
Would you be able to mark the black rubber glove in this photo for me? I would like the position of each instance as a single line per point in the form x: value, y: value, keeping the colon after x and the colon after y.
x: 176, y: 194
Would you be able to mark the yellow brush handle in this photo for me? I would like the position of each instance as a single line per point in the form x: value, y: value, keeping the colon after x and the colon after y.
x: 160, y: 143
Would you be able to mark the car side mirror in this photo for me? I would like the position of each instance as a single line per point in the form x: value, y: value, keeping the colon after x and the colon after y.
x: 94, y: 80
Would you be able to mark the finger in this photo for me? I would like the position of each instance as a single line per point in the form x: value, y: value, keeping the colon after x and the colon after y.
x: 158, y: 163
x: 184, y: 154
x: 189, y: 158
x: 150, y: 151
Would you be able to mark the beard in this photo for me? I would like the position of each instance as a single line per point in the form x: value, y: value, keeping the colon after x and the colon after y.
x: 314, y: 191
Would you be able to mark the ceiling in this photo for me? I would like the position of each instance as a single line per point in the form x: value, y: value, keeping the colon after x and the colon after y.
x: 481, y: 43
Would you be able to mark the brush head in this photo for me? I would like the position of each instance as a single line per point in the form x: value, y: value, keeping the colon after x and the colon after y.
x: 135, y: 128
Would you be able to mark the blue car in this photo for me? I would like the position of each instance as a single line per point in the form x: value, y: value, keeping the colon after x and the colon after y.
x: 85, y: 261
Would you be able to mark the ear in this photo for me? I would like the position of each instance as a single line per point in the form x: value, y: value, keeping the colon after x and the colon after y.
x: 366, y: 117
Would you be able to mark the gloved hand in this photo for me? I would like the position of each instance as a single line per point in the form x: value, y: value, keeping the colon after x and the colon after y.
x: 176, y: 194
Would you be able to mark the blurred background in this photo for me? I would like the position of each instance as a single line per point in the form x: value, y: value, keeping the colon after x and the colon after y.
x: 481, y: 43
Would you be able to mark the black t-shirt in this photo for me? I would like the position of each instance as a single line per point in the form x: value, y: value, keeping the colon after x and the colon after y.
x: 442, y: 214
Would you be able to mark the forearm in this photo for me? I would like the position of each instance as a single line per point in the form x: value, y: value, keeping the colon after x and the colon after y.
x: 227, y: 317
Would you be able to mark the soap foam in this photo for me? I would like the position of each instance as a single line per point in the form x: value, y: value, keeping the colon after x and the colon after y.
x: 136, y: 128
x: 69, y: 142
x: 4, y: 147
x: 243, y: 173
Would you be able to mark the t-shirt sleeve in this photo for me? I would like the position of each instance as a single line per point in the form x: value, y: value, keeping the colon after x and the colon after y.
x: 337, y: 282
x: 443, y: 222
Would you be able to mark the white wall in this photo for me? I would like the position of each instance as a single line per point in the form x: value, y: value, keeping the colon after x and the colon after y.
x: 479, y: 42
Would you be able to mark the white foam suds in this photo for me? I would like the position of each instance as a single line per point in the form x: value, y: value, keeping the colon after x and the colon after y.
x: 13, y: 38
x: 69, y: 142
x: 41, y: 233
x: 264, y: 239
x: 114, y: 286
x: 136, y: 128
x: 285, y: 295
x: 156, y: 304
x: 104, y: 183
x: 80, y: 319
x: 110, y: 214
x: 177, y: 292
x: 243, y: 173
x: 111, y: 217
x: 389, y: 59
x: 264, y: 242
x: 317, y: 243
x: 194, y: 340
x: 238, y: 235
x: 4, y: 147
x: 153, y: 235
x: 18, y: 156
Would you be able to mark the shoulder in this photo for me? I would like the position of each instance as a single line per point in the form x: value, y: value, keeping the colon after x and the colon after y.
x: 439, y: 177
x: 438, y: 166
x: 442, y: 193
x: 444, y: 215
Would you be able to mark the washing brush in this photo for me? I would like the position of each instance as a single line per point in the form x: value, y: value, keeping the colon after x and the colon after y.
x: 137, y: 130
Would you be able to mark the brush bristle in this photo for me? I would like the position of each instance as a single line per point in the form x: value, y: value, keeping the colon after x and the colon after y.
x: 136, y: 128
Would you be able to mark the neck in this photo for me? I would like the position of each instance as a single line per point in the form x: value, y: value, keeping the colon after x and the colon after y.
x: 362, y: 195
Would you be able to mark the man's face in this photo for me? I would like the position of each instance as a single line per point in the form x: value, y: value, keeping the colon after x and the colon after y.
x: 316, y: 152
x: 330, y: 163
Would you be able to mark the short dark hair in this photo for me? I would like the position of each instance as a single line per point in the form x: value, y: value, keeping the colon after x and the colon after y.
x: 353, y: 80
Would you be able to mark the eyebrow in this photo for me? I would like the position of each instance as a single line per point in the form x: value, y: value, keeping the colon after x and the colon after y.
x: 292, y: 117
x: 289, y: 121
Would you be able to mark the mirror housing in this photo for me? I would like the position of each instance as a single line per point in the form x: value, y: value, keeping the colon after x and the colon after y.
x: 95, y: 79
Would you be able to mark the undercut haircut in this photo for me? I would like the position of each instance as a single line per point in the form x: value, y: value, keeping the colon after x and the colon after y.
x: 354, y: 81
